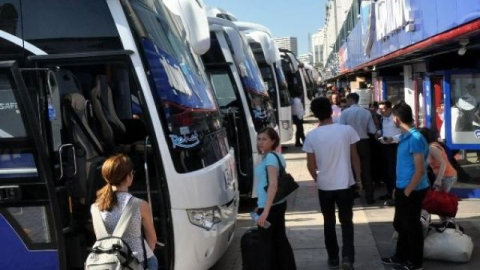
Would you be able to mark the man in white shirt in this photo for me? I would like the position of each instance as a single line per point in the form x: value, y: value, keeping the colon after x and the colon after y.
x: 389, y: 136
x: 297, y: 117
x: 360, y: 119
x: 331, y: 151
x: 336, y: 110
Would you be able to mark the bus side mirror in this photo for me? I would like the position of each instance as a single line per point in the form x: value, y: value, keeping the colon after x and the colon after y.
x: 195, y: 20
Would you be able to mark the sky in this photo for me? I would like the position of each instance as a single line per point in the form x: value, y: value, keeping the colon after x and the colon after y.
x: 295, y: 18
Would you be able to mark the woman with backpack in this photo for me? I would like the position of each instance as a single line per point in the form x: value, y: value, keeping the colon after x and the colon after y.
x: 278, y: 253
x: 111, y: 202
x: 445, y: 174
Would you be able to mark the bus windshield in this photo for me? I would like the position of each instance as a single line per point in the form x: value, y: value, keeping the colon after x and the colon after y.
x: 256, y: 91
x: 191, y: 116
x: 282, y: 87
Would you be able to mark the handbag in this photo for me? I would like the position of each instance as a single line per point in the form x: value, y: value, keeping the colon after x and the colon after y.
x: 448, y: 244
x: 440, y: 203
x: 286, y: 183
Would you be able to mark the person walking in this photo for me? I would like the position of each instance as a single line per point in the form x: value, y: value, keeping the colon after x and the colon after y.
x: 411, y: 187
x: 297, y: 116
x: 111, y: 200
x: 445, y: 174
x: 361, y: 121
x: 331, y: 151
x: 279, y: 253
x: 389, y: 136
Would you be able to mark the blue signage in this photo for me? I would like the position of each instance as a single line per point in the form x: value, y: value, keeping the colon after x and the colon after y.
x: 387, y: 26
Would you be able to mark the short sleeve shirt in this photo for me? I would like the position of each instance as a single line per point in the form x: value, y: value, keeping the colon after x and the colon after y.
x: 411, y: 143
x: 261, y: 174
x: 331, y: 146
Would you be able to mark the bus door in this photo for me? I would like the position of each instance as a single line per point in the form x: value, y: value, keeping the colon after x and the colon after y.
x: 29, y: 219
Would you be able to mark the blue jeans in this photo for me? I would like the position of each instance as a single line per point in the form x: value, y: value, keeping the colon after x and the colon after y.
x: 152, y: 263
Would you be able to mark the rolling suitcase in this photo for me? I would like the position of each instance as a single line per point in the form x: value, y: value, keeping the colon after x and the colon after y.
x: 254, y: 251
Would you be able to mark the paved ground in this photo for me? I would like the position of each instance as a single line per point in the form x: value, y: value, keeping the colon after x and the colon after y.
x: 373, y: 229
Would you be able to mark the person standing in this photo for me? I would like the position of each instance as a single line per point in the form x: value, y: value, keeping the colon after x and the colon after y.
x: 278, y: 253
x: 111, y: 201
x: 336, y: 110
x: 297, y: 116
x: 329, y: 162
x: 361, y: 121
x: 389, y: 136
x: 411, y: 187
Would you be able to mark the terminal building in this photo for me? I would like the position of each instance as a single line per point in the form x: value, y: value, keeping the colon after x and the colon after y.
x: 424, y: 52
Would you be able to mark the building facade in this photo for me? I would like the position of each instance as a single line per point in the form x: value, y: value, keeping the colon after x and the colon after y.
x: 288, y: 43
x: 317, y: 48
x: 425, y: 52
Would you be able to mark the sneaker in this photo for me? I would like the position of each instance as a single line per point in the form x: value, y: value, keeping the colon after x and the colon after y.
x: 347, y: 264
x: 298, y: 145
x: 333, y: 263
x: 389, y: 203
x: 409, y: 266
x: 391, y: 261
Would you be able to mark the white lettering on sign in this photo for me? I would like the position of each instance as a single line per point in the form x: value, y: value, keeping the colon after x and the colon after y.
x: 392, y: 16
x: 185, y: 141
x: 8, y: 106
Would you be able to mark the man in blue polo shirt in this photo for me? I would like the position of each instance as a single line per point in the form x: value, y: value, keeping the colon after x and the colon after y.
x: 411, y: 186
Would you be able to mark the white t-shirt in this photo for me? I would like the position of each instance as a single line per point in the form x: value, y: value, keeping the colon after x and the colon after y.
x: 331, y: 146
x: 297, y: 108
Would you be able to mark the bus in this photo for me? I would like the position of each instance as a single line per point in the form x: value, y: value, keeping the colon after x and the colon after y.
x: 80, y: 81
x: 297, y: 78
x: 241, y: 94
x: 269, y: 60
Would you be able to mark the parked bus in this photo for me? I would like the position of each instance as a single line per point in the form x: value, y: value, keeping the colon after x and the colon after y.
x: 82, y: 81
x: 297, y: 78
x: 269, y: 60
x: 241, y: 95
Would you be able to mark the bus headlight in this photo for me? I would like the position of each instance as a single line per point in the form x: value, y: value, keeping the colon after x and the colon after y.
x: 285, y: 124
x: 205, y: 218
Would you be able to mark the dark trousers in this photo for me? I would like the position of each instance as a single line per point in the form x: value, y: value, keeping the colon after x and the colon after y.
x: 364, y: 151
x: 390, y: 156
x: 408, y: 225
x: 279, y: 253
x: 344, y: 201
x: 299, y: 134
x: 378, y: 161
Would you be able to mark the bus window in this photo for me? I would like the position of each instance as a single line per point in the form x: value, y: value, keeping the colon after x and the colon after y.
x: 283, y: 88
x: 13, y: 128
x: 33, y: 223
x: 224, y: 89
x: 179, y: 85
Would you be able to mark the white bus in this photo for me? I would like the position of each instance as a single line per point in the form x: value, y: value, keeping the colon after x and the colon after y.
x: 297, y: 79
x: 82, y: 80
x: 269, y: 60
x: 241, y: 95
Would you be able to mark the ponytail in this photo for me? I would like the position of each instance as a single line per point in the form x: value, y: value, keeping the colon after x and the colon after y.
x: 114, y: 171
x: 106, y: 198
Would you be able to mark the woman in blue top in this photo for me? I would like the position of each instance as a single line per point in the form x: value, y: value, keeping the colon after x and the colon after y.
x: 279, y: 254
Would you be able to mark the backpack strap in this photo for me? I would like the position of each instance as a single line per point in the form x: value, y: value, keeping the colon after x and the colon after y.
x: 132, y: 206
x: 100, y: 229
